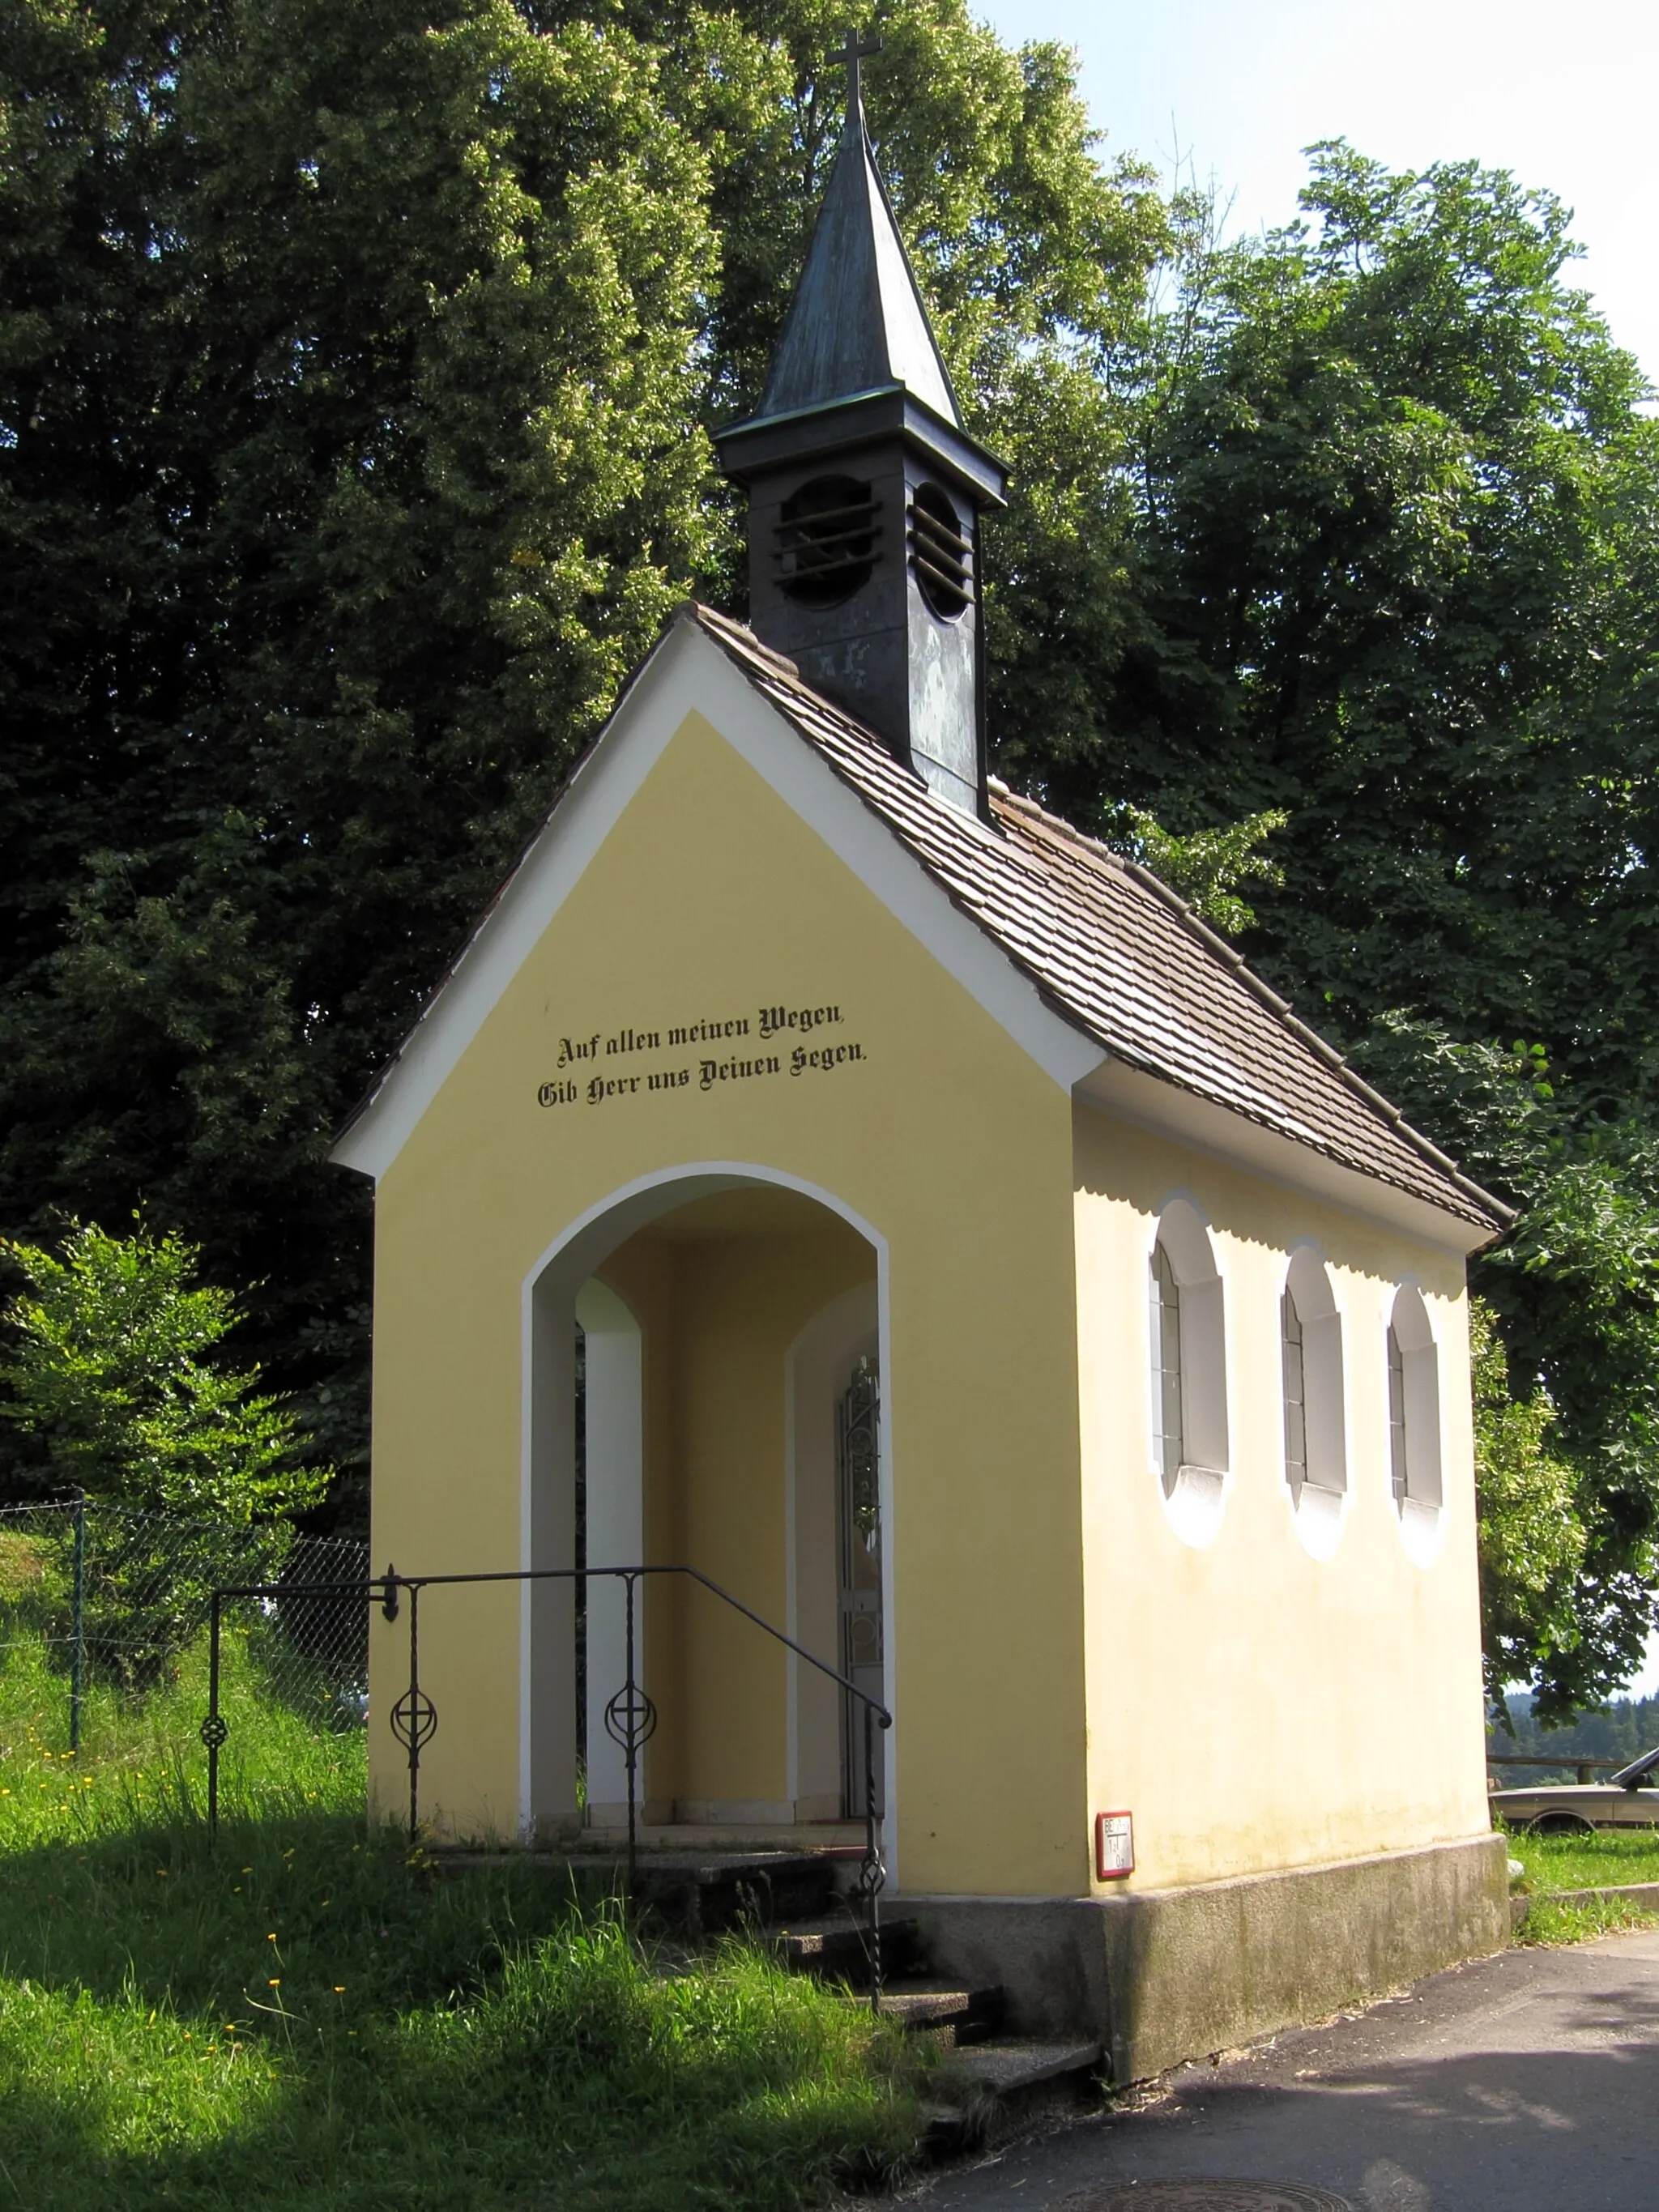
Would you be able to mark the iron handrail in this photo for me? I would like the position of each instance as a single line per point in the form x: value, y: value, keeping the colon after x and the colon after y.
x: 630, y: 1717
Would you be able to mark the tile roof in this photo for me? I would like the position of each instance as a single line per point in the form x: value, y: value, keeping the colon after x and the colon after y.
x: 1118, y: 955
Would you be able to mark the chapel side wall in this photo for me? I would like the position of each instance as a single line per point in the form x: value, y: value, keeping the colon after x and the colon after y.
x: 1256, y: 1707
x: 710, y: 895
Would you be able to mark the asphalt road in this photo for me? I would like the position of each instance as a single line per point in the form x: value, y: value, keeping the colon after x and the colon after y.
x: 1528, y: 2083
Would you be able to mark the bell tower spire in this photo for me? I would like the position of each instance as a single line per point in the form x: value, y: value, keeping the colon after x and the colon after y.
x: 857, y: 50
x: 866, y: 491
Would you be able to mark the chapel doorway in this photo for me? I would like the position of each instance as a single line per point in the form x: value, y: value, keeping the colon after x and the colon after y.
x: 858, y: 1472
x: 728, y: 1329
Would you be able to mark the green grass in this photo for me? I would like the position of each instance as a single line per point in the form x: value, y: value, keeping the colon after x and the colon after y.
x: 1607, y: 1860
x: 1551, y: 1920
x: 312, y: 2015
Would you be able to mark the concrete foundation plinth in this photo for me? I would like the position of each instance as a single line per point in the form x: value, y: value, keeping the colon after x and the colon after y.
x: 1160, y: 1975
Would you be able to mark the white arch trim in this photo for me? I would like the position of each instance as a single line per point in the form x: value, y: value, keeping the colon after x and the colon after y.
x: 573, y: 1255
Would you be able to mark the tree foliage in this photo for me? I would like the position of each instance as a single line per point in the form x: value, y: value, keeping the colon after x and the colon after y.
x: 109, y: 1366
x: 1208, y: 867
x: 1532, y: 1541
x: 355, y: 371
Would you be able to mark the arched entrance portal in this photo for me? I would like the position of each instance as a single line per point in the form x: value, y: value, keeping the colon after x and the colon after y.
x: 726, y: 1321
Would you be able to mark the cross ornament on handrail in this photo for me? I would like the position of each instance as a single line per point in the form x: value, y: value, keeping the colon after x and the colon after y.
x: 857, y: 50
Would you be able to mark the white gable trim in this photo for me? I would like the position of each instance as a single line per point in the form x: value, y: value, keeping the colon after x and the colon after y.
x: 689, y: 673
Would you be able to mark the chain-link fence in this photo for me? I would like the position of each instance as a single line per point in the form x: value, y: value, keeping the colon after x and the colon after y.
x: 103, y: 1632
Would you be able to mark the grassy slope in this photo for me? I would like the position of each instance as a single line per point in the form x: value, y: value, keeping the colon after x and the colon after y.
x: 312, y: 2016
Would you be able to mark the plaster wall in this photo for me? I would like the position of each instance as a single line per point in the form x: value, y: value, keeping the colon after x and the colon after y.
x: 1254, y: 1706
x: 947, y: 1147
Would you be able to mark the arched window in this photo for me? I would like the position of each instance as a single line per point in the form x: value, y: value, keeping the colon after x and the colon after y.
x: 1310, y: 1341
x: 1413, y: 1373
x: 1316, y: 1440
x: 1188, y: 1373
x: 1396, y: 1416
x: 1167, y: 1429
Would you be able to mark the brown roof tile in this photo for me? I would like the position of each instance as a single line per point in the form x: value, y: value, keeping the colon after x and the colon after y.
x: 1120, y: 955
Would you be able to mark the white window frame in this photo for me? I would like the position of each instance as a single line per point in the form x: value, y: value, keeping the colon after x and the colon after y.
x: 1412, y: 1412
x: 1193, y: 1489
x: 1318, y: 1488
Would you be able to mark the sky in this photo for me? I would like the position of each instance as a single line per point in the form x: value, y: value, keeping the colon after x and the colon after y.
x: 1562, y: 97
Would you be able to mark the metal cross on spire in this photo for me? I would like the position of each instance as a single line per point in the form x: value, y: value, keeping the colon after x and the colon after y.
x: 857, y: 50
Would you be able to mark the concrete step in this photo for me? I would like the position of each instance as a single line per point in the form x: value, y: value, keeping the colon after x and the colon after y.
x: 699, y: 1894
x: 991, y: 2089
x: 836, y: 1947
x: 952, y: 2015
x: 1010, y: 2065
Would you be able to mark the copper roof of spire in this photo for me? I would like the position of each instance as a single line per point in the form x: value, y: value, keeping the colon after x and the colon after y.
x: 858, y: 324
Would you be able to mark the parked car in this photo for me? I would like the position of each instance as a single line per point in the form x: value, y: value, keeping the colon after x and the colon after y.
x: 1629, y: 1799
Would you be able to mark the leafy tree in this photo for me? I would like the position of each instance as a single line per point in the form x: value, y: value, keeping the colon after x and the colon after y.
x: 349, y: 454
x: 356, y: 368
x: 1622, y: 1731
x: 1532, y: 1541
x: 1208, y: 867
x: 1395, y: 551
x: 109, y: 1368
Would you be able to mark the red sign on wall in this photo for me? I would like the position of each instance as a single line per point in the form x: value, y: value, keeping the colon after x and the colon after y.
x: 1115, y: 1846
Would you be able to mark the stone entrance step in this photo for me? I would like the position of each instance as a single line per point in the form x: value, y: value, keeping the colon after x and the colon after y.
x: 952, y: 2015
x: 700, y: 1894
x: 836, y: 1947
x: 797, y: 1904
x: 988, y: 2091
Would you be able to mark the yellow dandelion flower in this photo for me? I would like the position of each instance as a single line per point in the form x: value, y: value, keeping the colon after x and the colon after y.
x: 275, y: 1982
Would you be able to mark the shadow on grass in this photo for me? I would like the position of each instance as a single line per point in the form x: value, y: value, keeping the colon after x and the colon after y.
x: 310, y: 2015
x: 301, y: 1896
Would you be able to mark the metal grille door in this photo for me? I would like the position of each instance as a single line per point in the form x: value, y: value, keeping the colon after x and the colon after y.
x: 859, y: 1483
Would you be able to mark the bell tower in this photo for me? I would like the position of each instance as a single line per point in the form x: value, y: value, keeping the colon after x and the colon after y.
x: 866, y: 492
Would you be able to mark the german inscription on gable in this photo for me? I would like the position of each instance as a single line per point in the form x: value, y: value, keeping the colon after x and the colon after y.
x: 780, y: 1040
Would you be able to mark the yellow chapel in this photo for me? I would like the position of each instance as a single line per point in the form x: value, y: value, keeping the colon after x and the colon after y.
x: 1023, y: 1372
